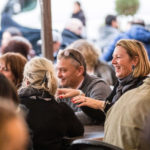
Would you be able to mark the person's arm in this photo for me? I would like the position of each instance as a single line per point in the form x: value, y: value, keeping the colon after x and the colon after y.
x: 87, y: 101
x: 68, y: 93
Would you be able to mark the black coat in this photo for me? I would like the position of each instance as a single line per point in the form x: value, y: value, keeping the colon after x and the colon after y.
x: 80, y: 15
x: 48, y: 120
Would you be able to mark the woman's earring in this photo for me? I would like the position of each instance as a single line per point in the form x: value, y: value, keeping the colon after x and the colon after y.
x: 133, y: 67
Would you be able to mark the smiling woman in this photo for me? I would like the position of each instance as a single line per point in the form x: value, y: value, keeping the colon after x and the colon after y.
x: 122, y: 62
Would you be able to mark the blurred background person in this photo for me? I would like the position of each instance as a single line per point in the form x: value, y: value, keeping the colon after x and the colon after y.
x: 12, y: 66
x: 73, y: 31
x: 8, y: 34
x: 9, y: 137
x: 94, y: 65
x: 137, y: 31
x: 8, y: 91
x: 108, y: 32
x: 50, y: 121
x: 78, y: 12
x: 57, y: 40
x: 13, y: 129
x: 18, y: 44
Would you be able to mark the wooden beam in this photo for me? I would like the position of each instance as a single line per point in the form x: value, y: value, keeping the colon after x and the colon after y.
x: 46, y: 32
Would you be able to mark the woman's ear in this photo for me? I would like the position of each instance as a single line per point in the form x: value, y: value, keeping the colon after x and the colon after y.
x: 135, y: 61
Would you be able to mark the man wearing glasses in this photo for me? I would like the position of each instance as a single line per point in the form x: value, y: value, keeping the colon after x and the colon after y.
x: 71, y: 71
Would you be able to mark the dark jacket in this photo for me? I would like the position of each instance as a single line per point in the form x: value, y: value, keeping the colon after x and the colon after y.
x: 48, y: 120
x: 136, y: 32
x: 96, y: 88
x: 68, y: 37
x: 80, y: 15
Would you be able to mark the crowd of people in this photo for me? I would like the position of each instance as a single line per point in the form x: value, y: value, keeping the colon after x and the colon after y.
x: 42, y: 102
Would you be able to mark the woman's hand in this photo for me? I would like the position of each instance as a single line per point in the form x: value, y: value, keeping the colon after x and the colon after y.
x: 87, y: 101
x: 67, y: 93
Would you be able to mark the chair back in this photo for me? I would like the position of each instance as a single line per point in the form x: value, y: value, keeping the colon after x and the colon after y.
x: 83, y: 144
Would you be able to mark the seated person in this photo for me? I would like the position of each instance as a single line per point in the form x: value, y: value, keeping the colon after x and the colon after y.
x: 71, y: 71
x: 49, y: 121
x: 126, y: 120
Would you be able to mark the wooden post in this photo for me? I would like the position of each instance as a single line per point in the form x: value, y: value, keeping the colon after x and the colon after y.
x: 46, y: 32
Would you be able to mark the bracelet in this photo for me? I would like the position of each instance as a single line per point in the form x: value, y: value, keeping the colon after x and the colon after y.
x: 80, y: 93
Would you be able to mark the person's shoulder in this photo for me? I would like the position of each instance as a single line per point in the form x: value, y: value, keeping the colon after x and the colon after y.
x: 65, y: 108
x: 94, y: 81
x: 95, y: 78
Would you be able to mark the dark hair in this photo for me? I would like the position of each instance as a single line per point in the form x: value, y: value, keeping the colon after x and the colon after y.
x: 16, y: 62
x: 75, y: 55
x: 109, y: 19
x: 78, y: 3
x: 18, y: 44
x: 8, y: 90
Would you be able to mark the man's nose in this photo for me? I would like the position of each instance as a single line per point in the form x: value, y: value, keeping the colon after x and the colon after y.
x: 59, y: 74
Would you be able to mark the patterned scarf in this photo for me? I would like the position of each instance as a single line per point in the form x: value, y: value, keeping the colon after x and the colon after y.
x: 124, y: 85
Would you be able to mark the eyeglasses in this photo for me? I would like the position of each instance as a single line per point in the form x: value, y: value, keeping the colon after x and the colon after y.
x: 67, y: 53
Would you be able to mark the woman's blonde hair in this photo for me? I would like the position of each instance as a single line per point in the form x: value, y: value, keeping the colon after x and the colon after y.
x: 134, y: 49
x: 89, y: 52
x: 40, y: 74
